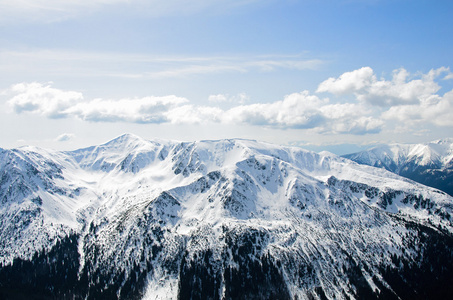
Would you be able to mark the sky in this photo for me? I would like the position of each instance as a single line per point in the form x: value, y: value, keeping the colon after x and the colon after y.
x: 319, y: 74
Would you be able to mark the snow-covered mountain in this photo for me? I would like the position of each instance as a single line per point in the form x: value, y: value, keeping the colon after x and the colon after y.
x: 227, y: 219
x: 430, y: 164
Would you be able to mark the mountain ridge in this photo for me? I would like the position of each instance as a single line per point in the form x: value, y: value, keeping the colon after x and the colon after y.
x: 225, y: 219
x: 430, y: 163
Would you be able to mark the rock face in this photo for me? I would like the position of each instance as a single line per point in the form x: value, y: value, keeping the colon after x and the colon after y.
x: 228, y: 219
x: 430, y: 164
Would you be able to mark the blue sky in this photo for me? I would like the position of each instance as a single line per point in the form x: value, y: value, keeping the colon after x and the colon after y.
x: 336, y: 75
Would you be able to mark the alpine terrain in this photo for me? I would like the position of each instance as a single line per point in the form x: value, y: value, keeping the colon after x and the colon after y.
x: 430, y: 164
x: 227, y: 219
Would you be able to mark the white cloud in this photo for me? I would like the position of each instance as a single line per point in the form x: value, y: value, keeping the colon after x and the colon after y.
x: 219, y: 98
x: 436, y: 110
x: 240, y: 98
x: 401, y: 90
x: 342, y: 110
x: 350, y: 118
x: 415, y: 103
x: 54, y: 103
x: 140, y: 110
x: 349, y: 82
x: 189, y: 114
x: 305, y: 111
x: 65, y: 137
x: 298, y: 110
x: 410, y: 99
x: 357, y: 126
x: 42, y: 99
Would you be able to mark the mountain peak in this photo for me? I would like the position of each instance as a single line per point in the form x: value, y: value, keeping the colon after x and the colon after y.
x: 445, y: 141
x: 217, y: 219
x: 126, y: 140
x: 424, y: 163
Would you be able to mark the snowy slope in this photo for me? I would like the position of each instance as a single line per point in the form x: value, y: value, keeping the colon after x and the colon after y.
x: 217, y: 219
x: 430, y: 164
x: 393, y: 157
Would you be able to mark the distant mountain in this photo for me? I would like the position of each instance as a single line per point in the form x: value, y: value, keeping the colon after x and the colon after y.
x: 430, y: 164
x: 227, y: 219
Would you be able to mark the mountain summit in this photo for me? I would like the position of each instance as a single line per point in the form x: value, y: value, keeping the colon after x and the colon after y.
x: 430, y: 164
x: 227, y: 219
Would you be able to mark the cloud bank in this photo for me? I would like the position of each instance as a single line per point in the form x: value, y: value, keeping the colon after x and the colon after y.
x: 406, y: 99
x: 298, y: 110
x: 401, y: 90
x: 54, y: 103
x: 42, y: 99
x: 410, y: 99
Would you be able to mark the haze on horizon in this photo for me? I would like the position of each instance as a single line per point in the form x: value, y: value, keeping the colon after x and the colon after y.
x: 339, y: 75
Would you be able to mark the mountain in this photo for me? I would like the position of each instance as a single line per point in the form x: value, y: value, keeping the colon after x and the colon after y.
x: 226, y: 219
x: 430, y: 164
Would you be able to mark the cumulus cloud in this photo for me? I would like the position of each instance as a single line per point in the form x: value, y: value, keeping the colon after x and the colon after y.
x: 349, y: 82
x: 409, y: 99
x: 436, y: 109
x: 351, y: 118
x: 298, y: 110
x: 42, y: 99
x: 190, y: 114
x: 305, y: 111
x: 138, y: 110
x: 403, y: 89
x: 405, y: 99
x: 358, y: 126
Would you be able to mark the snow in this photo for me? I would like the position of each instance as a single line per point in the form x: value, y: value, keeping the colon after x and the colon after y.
x: 437, y: 153
x: 161, y: 287
x: 309, y: 203
x: 99, y: 172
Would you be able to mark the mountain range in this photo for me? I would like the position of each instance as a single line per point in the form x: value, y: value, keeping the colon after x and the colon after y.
x: 225, y: 219
x: 430, y: 164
